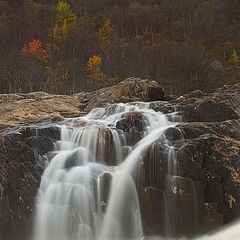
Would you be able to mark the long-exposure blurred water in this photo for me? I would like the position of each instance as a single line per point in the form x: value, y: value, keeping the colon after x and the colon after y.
x: 82, y: 196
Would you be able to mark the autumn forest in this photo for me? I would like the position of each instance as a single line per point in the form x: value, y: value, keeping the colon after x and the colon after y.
x: 64, y: 47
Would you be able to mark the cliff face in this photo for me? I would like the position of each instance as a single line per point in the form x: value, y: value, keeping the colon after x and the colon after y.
x: 207, y: 144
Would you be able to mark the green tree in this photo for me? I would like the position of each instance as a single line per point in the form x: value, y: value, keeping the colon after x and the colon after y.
x: 64, y: 13
x: 65, y: 20
x: 106, y: 34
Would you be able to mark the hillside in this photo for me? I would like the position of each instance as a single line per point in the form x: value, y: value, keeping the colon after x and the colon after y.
x: 70, y: 46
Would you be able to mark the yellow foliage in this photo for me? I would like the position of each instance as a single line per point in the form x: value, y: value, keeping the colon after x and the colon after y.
x: 231, y: 200
x: 105, y: 33
x: 94, y: 62
x: 235, y: 59
x: 54, y: 33
x: 60, y: 32
x: 96, y: 77
x: 65, y: 29
x: 94, y: 70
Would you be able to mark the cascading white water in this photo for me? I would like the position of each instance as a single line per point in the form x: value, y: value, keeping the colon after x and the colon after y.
x: 81, y: 197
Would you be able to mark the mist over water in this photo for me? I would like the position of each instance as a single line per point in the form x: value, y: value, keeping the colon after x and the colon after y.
x: 88, y: 189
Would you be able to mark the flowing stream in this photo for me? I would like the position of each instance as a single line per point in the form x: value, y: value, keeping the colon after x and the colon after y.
x: 81, y: 196
x: 88, y: 189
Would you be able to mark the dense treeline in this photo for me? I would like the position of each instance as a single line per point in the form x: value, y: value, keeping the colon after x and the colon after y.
x: 70, y: 46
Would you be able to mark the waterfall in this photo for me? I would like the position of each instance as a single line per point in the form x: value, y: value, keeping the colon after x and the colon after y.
x: 88, y: 190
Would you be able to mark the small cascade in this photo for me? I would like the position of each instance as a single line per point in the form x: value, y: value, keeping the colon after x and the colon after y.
x: 180, y: 193
x: 88, y: 191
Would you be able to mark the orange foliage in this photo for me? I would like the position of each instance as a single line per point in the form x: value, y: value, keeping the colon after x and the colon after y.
x: 94, y: 63
x: 94, y: 69
x: 35, y: 49
x: 96, y: 74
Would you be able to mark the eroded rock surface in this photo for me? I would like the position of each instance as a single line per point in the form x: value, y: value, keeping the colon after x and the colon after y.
x: 207, y: 148
x: 220, y: 106
x: 208, y: 173
x: 22, y: 159
x: 129, y: 90
x: 23, y: 109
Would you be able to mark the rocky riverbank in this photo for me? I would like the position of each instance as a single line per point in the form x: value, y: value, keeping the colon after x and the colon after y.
x: 207, y: 143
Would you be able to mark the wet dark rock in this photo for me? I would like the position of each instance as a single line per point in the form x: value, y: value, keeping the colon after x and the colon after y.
x: 132, y: 124
x: 131, y: 120
x: 209, y: 110
x: 163, y: 106
x: 210, y: 219
x: 184, y: 199
x: 49, y: 131
x: 216, y: 107
x: 152, y: 203
x: 189, y: 163
x: 207, y: 154
x: 174, y: 134
x: 216, y: 156
x: 155, y: 93
x: 72, y: 160
x: 106, y: 145
x: 19, y: 181
x: 105, y: 182
x: 41, y: 143
x: 154, y: 165
x: 214, y: 193
x: 21, y: 167
x: 126, y: 151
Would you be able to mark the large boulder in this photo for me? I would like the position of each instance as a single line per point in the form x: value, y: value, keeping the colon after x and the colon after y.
x: 220, y: 106
x: 23, y: 109
x: 132, y: 124
x: 129, y: 90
